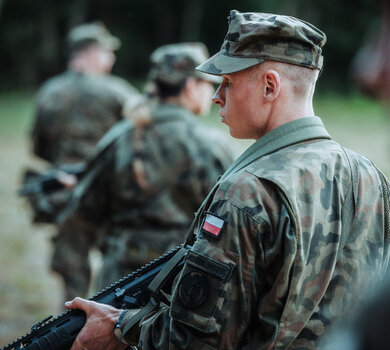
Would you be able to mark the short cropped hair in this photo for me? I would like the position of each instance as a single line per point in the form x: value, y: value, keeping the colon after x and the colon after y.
x: 302, y: 79
x: 163, y: 90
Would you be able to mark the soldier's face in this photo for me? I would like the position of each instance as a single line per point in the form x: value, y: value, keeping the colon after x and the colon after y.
x: 205, y: 93
x: 103, y: 59
x: 199, y: 93
x: 240, y: 101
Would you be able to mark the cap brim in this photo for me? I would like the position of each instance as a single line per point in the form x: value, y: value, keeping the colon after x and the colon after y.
x: 223, y: 64
x: 208, y: 77
x: 111, y: 43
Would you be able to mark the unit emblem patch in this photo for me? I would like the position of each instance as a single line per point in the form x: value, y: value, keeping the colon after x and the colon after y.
x: 193, y: 289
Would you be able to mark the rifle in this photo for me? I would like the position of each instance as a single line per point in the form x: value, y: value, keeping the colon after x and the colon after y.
x: 129, y: 292
x: 45, y: 193
x: 47, y: 182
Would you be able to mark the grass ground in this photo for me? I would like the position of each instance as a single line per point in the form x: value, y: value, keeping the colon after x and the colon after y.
x: 28, y: 290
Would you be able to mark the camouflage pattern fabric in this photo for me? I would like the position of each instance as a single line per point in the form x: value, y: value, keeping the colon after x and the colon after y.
x: 151, y: 179
x: 267, y: 269
x: 253, y: 38
x: 369, y: 326
x: 70, y: 257
x: 94, y: 33
x: 174, y: 63
x: 74, y: 111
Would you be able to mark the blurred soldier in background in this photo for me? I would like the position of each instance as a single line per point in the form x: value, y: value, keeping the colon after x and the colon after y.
x: 76, y: 108
x: 371, y: 65
x: 152, y: 171
x: 73, y: 111
x: 369, y: 328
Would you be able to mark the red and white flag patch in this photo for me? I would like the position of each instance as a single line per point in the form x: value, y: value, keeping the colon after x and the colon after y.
x: 213, y: 225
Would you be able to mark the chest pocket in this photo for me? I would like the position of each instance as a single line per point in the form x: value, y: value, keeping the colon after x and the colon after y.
x: 201, y: 296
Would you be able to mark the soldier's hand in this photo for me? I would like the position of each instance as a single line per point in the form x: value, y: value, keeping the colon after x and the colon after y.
x: 98, y: 331
x: 67, y: 180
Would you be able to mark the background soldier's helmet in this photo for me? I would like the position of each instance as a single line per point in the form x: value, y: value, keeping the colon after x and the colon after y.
x: 254, y: 37
x: 91, y: 33
x: 174, y: 63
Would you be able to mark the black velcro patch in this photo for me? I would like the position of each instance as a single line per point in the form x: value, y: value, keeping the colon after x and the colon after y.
x: 210, y: 266
x: 194, y: 289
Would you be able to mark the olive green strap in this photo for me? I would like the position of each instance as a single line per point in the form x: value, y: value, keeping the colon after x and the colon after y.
x: 154, y: 287
x: 386, y: 204
x: 165, y: 272
x: 350, y: 202
x: 146, y: 310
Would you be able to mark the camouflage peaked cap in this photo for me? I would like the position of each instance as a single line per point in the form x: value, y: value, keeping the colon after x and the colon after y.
x: 253, y: 38
x: 174, y: 63
x: 92, y: 33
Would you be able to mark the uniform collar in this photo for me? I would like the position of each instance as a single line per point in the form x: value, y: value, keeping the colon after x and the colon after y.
x: 293, y: 132
x: 299, y: 130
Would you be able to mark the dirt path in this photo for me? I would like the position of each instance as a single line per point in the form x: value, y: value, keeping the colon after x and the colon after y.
x: 28, y: 291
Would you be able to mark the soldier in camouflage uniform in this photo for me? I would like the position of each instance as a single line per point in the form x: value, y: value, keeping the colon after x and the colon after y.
x: 152, y: 171
x: 76, y: 108
x: 369, y: 326
x: 73, y: 111
x: 292, y: 235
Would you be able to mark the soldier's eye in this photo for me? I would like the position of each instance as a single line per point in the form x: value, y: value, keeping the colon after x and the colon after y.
x: 226, y: 82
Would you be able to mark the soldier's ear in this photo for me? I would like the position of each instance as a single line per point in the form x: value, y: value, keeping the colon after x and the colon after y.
x: 190, y: 91
x: 190, y: 95
x: 272, y: 84
x: 190, y: 84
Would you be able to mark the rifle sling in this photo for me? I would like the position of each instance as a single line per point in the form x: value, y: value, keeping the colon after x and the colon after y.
x: 146, y: 310
x: 165, y: 272
x: 154, y: 288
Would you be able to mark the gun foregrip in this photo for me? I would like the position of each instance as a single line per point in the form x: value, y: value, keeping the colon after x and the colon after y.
x: 61, y: 335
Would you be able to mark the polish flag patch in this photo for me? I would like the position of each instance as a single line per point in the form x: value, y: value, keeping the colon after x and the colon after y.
x: 213, y: 225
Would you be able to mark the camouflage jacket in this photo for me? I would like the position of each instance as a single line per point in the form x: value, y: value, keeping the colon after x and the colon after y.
x: 271, y: 266
x: 145, y: 183
x: 73, y: 111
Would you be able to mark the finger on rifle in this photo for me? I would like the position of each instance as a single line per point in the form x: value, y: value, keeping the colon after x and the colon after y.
x: 78, y: 303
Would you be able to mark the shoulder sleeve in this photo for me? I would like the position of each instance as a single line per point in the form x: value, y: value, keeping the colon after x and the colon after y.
x: 121, y: 87
x: 39, y: 139
x: 40, y: 132
x: 214, y: 295
x: 48, y: 119
x: 230, y: 276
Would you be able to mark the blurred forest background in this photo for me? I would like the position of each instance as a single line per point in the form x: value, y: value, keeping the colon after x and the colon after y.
x: 32, y: 49
x: 32, y: 33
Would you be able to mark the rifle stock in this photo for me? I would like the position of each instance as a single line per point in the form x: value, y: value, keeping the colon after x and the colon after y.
x: 129, y: 292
